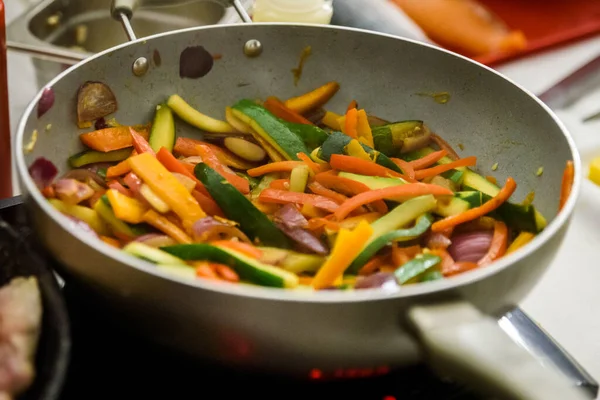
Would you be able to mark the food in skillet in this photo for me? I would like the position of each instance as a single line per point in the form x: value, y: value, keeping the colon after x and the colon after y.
x: 20, y: 321
x: 287, y: 194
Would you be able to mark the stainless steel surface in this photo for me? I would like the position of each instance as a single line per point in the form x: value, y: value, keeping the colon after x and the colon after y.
x: 573, y: 86
x: 60, y: 33
x: 295, y: 331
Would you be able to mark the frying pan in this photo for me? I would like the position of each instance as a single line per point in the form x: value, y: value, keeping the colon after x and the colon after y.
x: 448, y: 323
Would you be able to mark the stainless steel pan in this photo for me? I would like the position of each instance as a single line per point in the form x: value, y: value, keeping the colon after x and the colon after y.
x: 448, y: 323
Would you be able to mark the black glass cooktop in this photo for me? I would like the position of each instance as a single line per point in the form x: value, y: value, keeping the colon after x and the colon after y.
x: 109, y: 363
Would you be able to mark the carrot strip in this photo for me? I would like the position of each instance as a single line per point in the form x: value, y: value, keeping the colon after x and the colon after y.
x: 498, y: 245
x: 140, y: 144
x: 459, y: 267
x: 363, y: 167
x: 283, y: 197
x: 277, y: 108
x: 372, y: 265
x: 164, y: 225
x: 205, y: 270
x: 348, y: 187
x: 319, y: 222
x: 474, y: 213
x: 169, y: 161
x: 208, y: 204
x: 463, y: 162
x: 402, y: 255
x: 351, y: 125
x: 116, y: 185
x: 49, y: 192
x: 187, y: 147
x: 428, y: 160
x: 393, y: 192
x: 280, y: 184
x: 279, y: 166
x: 241, y: 247
x: 109, y: 139
x: 211, y: 159
x: 351, y: 105
x: 566, y: 184
x: 447, y: 261
x: 111, y: 241
x: 321, y: 190
x: 405, y: 167
x: 225, y: 272
x: 316, y: 168
x: 117, y: 170
x: 443, y: 145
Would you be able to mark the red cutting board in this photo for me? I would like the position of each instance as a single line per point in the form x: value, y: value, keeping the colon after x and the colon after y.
x: 545, y: 23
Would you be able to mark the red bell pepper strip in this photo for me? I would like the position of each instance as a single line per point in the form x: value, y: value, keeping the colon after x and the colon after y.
x: 283, y: 197
x: 140, y: 144
x: 211, y: 159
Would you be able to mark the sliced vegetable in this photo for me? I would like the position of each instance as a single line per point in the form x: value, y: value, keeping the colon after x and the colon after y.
x: 566, y: 184
x: 167, y: 227
x: 356, y: 165
x: 119, y: 228
x: 277, y: 108
x: 211, y: 159
x: 91, y: 157
x: 195, y: 118
x: 168, y: 188
x: 311, y: 100
x: 126, y: 208
x: 72, y: 191
x: 292, y: 261
x: 109, y: 139
x: 245, y: 149
x: 265, y: 182
x: 463, y: 162
x: 330, y: 119
x: 247, y: 268
x: 152, y: 254
x: 238, y: 208
x: 163, y: 129
x: 415, y: 267
x: 285, y: 197
x: 94, y: 100
x: 275, y: 131
x: 520, y: 241
x: 402, y: 215
x: 350, y: 127
x: 400, y: 137
x: 470, y: 246
x: 85, y: 214
x: 280, y: 166
x: 299, y: 178
x: 498, y: 245
x: 153, y: 199
x: 209, y: 229
x: 421, y: 226
x: 347, y: 246
x: 188, y: 148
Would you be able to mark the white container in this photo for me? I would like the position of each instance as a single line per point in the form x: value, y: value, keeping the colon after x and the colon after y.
x: 302, y: 11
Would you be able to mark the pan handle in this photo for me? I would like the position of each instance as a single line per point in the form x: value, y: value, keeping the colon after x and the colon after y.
x: 464, y: 343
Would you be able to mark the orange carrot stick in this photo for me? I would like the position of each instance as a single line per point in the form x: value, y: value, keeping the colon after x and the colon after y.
x: 121, y: 168
x: 211, y: 159
x: 283, y: 197
x: 321, y: 190
x: 442, y: 144
x: 410, y: 189
x: 372, y: 265
x: 316, y: 168
x: 187, y: 147
x: 363, y: 167
x: 463, y: 162
x: 348, y: 187
x: 279, y: 166
x: 351, y: 127
x: 241, y: 247
x: 498, y: 245
x: 459, y: 267
x: 169, y: 161
x: 405, y: 167
x: 428, y: 160
x: 474, y: 213
x: 447, y: 261
x: 280, y: 184
x: 567, y: 184
x: 225, y: 272
x: 402, y: 255
x: 277, y: 108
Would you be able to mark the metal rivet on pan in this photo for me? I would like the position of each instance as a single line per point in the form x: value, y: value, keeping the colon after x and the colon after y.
x: 140, y: 66
x: 253, y: 48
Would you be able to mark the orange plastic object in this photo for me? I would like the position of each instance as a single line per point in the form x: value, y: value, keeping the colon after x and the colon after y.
x: 5, y: 150
x: 545, y: 23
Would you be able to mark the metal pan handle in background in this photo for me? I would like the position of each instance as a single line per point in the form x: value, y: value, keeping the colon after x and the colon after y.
x: 466, y: 344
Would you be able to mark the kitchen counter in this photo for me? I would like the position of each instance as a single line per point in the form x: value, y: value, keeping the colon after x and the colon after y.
x: 564, y: 301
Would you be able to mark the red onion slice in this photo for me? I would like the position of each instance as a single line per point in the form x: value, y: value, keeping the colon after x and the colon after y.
x: 43, y: 172
x: 470, y: 246
x: 437, y: 241
x: 83, y: 175
x: 304, y: 238
x: 46, y: 102
x: 209, y: 229
x: 72, y: 191
x: 385, y: 280
x: 289, y: 216
x: 156, y: 240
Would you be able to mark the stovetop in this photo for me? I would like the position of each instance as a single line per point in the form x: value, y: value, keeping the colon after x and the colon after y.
x: 108, y: 362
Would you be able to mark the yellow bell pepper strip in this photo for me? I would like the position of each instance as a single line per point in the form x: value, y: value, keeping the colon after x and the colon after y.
x: 520, y: 241
x: 195, y: 118
x: 311, y: 100
x: 330, y: 120
x: 87, y: 215
x: 152, y: 198
x: 168, y: 188
x: 355, y: 149
x: 347, y: 246
x: 126, y: 208
x: 167, y: 227
x: 364, y: 129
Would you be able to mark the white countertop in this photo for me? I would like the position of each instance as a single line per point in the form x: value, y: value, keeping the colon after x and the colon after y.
x: 564, y: 302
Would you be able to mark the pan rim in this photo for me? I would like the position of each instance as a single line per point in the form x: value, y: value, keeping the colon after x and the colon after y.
x: 285, y: 295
